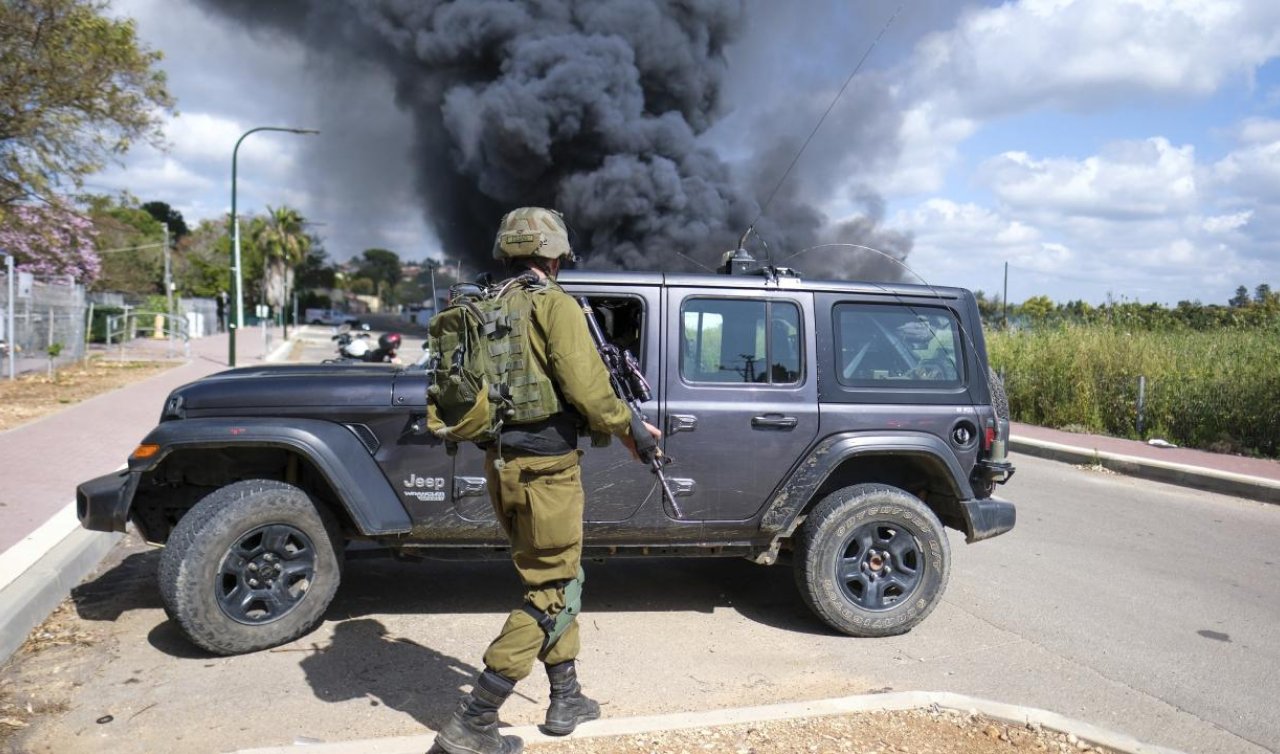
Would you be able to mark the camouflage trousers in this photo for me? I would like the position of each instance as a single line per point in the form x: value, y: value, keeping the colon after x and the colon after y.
x: 539, y: 503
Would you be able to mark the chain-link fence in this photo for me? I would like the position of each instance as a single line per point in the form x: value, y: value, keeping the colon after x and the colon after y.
x: 48, y: 322
x: 54, y: 319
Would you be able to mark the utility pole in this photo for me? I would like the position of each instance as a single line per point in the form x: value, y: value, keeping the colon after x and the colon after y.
x: 11, y: 334
x: 1005, y: 298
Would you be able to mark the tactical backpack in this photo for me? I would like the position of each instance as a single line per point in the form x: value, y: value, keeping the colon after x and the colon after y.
x: 482, y: 373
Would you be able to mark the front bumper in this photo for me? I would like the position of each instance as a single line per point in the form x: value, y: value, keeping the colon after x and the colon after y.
x: 102, y: 504
x: 987, y: 518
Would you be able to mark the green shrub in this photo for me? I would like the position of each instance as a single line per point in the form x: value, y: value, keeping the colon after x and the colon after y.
x: 1211, y: 389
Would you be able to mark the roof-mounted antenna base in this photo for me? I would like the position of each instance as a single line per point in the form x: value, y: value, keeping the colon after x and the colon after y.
x: 738, y: 262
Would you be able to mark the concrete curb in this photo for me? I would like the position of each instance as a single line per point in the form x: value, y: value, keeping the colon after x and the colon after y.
x: 39, y: 572
x: 1010, y: 713
x: 1210, y: 480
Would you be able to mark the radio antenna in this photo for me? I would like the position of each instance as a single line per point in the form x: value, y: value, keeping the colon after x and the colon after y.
x: 816, y: 126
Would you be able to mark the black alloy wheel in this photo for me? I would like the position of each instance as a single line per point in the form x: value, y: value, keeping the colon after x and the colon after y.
x: 881, y: 565
x: 265, y: 574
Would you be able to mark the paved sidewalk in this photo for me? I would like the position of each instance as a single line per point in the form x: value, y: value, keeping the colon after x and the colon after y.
x: 1255, y: 478
x: 43, y: 550
x: 42, y: 462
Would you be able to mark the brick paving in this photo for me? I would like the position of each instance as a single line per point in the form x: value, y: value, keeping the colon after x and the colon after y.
x: 42, y: 462
x: 1257, y: 467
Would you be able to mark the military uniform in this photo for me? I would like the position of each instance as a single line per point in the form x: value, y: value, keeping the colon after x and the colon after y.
x: 538, y: 498
x: 552, y: 383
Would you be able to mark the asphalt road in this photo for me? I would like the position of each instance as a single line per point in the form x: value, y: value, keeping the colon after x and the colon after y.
x: 1140, y: 607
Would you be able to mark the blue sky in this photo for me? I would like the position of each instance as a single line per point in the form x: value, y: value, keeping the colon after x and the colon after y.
x: 1123, y: 148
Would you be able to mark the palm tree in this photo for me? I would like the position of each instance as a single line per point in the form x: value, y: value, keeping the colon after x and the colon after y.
x: 284, y: 246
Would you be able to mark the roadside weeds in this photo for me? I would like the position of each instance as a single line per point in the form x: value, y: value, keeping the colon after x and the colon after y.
x: 33, y: 396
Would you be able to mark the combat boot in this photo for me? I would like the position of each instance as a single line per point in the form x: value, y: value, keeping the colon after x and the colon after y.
x: 568, y: 704
x: 473, y: 728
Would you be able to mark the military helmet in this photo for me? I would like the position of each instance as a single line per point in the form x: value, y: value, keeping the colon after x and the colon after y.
x: 532, y: 232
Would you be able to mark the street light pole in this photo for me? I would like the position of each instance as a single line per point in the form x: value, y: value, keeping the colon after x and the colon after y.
x: 236, y: 279
x: 168, y: 287
x: 435, y: 298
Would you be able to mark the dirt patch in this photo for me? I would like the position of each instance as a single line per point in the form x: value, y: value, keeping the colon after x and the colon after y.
x: 32, y: 396
x: 49, y: 653
x: 931, y: 731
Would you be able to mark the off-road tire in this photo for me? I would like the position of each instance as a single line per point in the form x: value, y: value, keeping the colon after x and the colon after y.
x: 824, y: 541
x: 195, y: 552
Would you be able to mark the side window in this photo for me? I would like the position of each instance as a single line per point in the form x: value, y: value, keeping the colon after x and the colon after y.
x: 740, y: 340
x: 621, y: 320
x: 897, y: 346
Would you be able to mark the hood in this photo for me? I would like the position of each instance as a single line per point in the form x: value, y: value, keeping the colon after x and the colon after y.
x: 286, y: 386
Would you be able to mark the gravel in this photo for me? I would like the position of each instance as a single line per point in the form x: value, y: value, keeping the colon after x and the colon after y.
x: 910, y: 732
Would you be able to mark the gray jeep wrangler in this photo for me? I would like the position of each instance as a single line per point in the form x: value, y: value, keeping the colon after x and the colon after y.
x: 840, y: 425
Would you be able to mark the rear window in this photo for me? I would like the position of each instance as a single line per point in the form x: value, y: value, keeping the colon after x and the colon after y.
x: 740, y: 340
x: 892, y: 347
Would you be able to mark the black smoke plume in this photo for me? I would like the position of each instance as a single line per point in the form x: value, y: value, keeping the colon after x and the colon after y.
x: 595, y: 107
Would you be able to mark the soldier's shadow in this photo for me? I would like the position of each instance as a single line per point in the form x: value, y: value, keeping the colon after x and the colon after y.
x: 363, y: 661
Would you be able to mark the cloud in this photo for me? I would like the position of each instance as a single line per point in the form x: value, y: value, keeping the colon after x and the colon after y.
x: 1131, y: 179
x: 1080, y: 56
x: 157, y: 176
x: 1137, y: 219
x: 1086, y: 55
x: 208, y: 138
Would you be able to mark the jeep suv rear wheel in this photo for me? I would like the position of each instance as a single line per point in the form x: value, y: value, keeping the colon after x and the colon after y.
x: 872, y: 560
x: 252, y: 565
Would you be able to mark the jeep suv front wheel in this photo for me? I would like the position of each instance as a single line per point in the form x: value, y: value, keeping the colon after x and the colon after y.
x: 252, y: 565
x: 872, y: 560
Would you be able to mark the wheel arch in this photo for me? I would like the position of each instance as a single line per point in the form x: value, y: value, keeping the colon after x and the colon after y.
x: 917, y: 463
x: 324, y: 458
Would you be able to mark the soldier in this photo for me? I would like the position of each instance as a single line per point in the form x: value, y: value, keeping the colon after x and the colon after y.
x: 535, y: 485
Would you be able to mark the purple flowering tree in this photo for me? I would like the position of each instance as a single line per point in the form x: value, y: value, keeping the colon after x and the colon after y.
x: 50, y: 240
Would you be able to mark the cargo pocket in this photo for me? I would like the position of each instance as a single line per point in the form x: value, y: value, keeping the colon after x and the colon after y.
x: 553, y: 489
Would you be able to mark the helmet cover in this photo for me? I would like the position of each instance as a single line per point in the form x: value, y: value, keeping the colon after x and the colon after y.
x: 532, y: 232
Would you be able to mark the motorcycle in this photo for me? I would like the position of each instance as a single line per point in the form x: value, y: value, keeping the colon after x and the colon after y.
x: 357, y: 347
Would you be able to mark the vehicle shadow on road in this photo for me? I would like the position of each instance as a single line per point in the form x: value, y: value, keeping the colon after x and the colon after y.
x: 128, y: 585
x: 766, y: 595
x: 361, y: 661
x: 383, y: 586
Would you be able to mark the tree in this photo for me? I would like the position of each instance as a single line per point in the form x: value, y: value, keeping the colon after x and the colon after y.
x: 1037, y: 307
x: 76, y: 90
x: 1262, y: 294
x: 382, y: 268
x: 51, y: 240
x: 200, y: 262
x: 411, y: 292
x: 1241, y: 299
x: 316, y: 271
x: 284, y: 244
x: 169, y: 216
x: 130, y: 242
x: 362, y: 287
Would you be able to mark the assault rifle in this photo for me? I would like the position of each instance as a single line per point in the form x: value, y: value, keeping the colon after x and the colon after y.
x: 630, y: 385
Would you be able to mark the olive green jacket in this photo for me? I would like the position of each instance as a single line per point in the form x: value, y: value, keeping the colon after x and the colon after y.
x: 562, y: 342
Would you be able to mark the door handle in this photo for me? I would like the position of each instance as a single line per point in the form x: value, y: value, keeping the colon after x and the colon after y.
x: 468, y: 486
x: 681, y: 423
x: 774, y: 421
